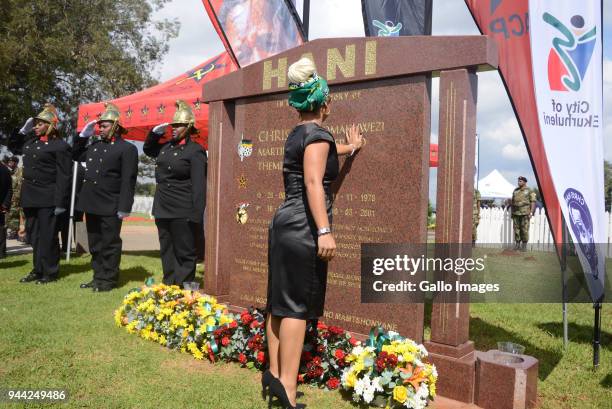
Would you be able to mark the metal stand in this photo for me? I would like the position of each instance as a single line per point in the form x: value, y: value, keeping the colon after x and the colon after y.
x: 596, y: 335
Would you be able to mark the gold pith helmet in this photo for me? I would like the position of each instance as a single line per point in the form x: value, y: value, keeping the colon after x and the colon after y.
x: 49, y: 115
x: 183, y: 115
x: 111, y: 114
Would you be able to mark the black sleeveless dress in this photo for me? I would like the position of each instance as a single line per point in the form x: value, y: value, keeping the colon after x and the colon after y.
x: 297, y: 278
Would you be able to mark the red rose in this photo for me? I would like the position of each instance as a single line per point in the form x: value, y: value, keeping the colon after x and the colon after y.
x: 336, y: 330
x: 306, y: 356
x: 233, y: 324
x: 316, y: 360
x: 391, y: 360
x: 321, y: 348
x: 261, y: 357
x: 318, y: 372
x: 225, y: 341
x: 353, y: 341
x: 254, y: 324
x: 246, y: 318
x: 300, y: 378
x: 339, y: 354
x: 380, y: 364
x: 320, y: 325
x: 242, y: 358
x: 333, y: 383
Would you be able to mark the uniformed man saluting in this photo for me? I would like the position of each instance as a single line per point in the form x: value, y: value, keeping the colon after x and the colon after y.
x: 180, y: 195
x: 45, y: 190
x: 107, y: 193
x: 523, y: 207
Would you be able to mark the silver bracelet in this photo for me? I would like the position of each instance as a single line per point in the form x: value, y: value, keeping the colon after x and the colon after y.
x: 353, y: 151
x: 323, y: 230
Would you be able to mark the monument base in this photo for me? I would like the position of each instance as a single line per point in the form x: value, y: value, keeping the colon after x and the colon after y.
x: 506, y: 381
x: 456, y: 370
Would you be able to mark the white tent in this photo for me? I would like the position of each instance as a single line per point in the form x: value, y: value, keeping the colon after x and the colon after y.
x: 495, y: 186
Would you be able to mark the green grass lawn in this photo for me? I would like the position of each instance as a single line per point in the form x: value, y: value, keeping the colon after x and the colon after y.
x: 59, y: 336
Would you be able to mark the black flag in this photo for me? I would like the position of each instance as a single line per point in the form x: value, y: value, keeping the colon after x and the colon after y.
x: 392, y: 18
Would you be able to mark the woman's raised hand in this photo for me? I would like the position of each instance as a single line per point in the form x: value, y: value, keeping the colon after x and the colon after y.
x: 354, y: 137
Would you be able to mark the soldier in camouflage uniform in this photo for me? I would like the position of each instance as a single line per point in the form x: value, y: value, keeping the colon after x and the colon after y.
x: 475, y: 216
x: 523, y: 207
x: 14, y: 216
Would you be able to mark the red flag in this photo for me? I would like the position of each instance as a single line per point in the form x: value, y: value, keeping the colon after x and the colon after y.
x: 145, y: 109
x: 508, y: 23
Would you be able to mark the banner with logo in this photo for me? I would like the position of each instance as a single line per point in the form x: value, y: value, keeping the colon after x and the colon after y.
x: 143, y: 110
x: 392, y: 18
x: 566, y: 48
x: 253, y: 30
x: 507, y: 22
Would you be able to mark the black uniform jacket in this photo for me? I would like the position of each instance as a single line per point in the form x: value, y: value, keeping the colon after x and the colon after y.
x: 6, y: 187
x: 47, y: 170
x: 110, y: 177
x: 180, y: 174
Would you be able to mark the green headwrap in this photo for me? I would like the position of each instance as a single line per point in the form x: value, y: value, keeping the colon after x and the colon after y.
x: 309, y: 95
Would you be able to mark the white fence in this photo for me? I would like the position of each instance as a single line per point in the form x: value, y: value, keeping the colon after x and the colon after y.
x: 496, y: 228
x: 143, y: 204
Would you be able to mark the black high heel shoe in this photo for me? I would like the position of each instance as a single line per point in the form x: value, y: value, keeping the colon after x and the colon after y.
x: 277, y: 389
x: 266, y: 378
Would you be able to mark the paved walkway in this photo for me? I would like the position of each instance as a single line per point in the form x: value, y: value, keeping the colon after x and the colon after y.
x: 135, y: 238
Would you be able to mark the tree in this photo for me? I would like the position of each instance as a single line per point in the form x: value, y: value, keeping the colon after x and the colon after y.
x: 608, y: 184
x: 146, y: 168
x: 68, y: 52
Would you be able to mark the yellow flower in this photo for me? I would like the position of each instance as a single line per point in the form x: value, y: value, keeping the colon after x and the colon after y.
x: 118, y: 315
x: 351, y: 379
x: 154, y: 335
x: 131, y: 327
x: 432, y: 389
x: 162, y: 340
x: 400, y: 394
x: 197, y: 354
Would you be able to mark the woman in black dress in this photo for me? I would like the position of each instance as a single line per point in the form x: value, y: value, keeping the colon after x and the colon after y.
x: 300, y: 238
x: 180, y: 194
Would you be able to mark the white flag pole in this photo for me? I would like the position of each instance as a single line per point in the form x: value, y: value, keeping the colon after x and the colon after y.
x: 71, y: 221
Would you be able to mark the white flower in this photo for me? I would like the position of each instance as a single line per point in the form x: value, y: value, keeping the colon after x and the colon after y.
x: 376, y: 384
x: 360, y: 385
x: 392, y: 334
x: 423, y: 392
x: 368, y: 395
x: 422, y: 350
x: 357, y: 350
x: 345, y: 373
x: 434, y: 371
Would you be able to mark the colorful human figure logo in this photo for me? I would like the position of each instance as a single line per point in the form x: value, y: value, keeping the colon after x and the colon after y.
x: 570, y: 55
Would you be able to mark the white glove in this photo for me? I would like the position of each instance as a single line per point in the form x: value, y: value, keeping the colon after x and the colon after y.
x: 161, y: 128
x: 122, y: 215
x: 27, y: 127
x: 58, y: 210
x: 88, y: 130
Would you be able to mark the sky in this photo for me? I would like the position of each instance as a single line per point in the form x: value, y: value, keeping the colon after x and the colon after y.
x: 501, y: 145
